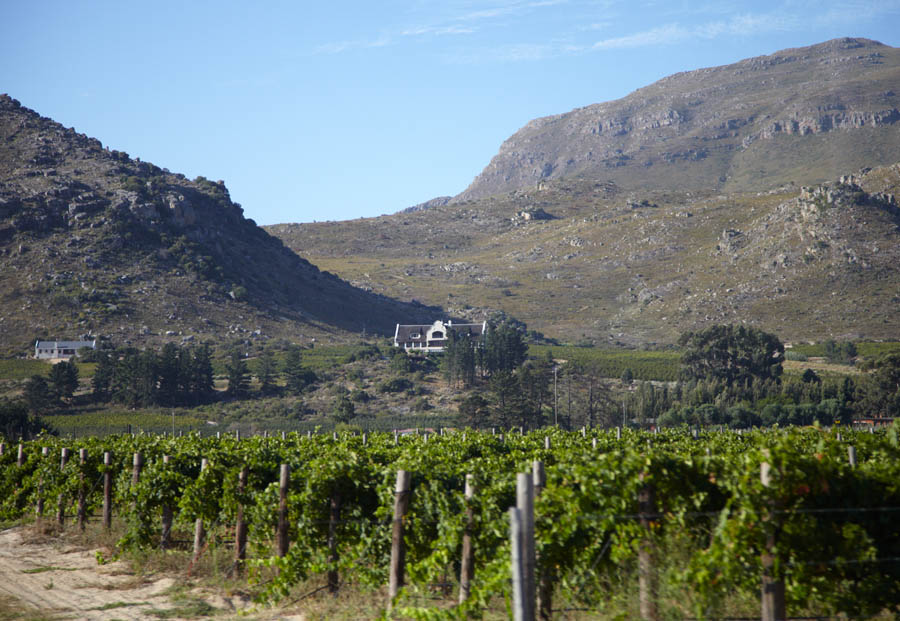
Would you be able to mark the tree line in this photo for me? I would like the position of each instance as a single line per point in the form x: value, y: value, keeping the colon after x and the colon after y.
x: 173, y: 376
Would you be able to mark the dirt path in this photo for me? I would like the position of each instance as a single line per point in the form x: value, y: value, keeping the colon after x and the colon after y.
x: 55, y: 579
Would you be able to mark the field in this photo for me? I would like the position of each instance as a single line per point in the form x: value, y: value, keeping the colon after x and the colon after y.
x: 612, y: 363
x: 707, y: 523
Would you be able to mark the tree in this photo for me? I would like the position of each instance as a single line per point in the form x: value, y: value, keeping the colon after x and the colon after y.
x: 882, y: 394
x: 459, y: 359
x: 473, y: 411
x: 733, y: 354
x: 810, y: 377
x: 103, y: 375
x: 199, y: 374
x: 170, y: 374
x: 266, y: 371
x: 840, y: 353
x: 238, y: 376
x: 15, y: 421
x: 296, y: 377
x: 64, y: 379
x: 37, y: 394
x: 344, y: 410
x: 504, y: 347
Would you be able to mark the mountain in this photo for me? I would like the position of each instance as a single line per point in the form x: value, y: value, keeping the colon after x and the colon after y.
x: 784, y: 215
x: 95, y: 241
x: 805, y: 115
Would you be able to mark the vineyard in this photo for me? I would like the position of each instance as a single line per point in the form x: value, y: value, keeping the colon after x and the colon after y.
x: 689, y: 507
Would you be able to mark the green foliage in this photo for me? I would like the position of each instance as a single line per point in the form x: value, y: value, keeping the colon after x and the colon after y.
x: 834, y: 523
x: 612, y: 363
x: 843, y: 353
x: 15, y: 421
x: 296, y: 376
x: 19, y: 369
x: 731, y: 353
x: 238, y: 374
x: 344, y: 410
x: 63, y: 380
x: 395, y: 384
x: 37, y: 394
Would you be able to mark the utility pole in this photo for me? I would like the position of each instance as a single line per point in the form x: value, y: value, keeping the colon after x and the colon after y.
x: 555, y: 397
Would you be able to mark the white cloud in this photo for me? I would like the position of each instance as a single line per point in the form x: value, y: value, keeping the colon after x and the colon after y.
x: 667, y: 34
x: 343, y: 46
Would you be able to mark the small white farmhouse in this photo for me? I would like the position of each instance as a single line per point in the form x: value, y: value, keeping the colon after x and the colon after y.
x: 60, y: 349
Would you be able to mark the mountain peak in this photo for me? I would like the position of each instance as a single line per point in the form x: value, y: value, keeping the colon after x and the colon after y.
x: 714, y: 128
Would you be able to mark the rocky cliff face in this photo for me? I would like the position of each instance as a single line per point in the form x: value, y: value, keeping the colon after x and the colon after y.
x: 95, y: 240
x: 822, y: 110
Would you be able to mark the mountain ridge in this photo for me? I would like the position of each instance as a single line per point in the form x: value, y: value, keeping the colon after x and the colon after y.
x: 93, y: 240
x: 776, y: 208
x: 713, y: 127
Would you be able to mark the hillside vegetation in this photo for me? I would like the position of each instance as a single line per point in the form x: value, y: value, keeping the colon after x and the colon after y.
x: 761, y: 192
x: 618, y: 267
x: 93, y: 240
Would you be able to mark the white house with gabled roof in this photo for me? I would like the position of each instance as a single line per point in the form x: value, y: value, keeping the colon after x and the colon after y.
x: 428, y: 338
x: 60, y: 350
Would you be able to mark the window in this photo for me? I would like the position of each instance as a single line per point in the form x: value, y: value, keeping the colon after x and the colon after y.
x: 437, y: 334
x: 415, y: 335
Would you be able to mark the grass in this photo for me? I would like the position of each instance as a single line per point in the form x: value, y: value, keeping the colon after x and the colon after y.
x: 114, y: 420
x: 612, y: 363
x: 115, y: 605
x: 40, y: 570
x: 24, y: 368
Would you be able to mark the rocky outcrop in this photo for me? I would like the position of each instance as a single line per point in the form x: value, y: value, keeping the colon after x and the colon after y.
x: 104, y: 220
x: 713, y: 126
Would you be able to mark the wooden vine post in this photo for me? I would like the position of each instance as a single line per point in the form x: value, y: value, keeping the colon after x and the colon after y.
x: 240, y: 527
x: 20, y: 457
x: 45, y: 451
x: 199, y: 531
x: 525, y: 505
x: 773, y: 601
x: 398, y: 551
x: 61, y: 500
x: 646, y: 565
x: 334, y: 517
x: 545, y: 572
x: 282, y: 540
x: 517, y: 570
x: 166, y: 533
x: 467, y: 563
x: 107, y: 490
x: 82, y: 461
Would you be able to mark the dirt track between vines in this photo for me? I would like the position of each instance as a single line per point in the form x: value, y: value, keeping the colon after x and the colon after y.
x: 48, y: 577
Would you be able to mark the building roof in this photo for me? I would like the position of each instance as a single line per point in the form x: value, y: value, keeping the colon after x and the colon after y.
x: 64, y: 344
x: 404, y: 333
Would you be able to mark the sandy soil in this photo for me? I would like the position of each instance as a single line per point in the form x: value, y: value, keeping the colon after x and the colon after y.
x: 53, y: 578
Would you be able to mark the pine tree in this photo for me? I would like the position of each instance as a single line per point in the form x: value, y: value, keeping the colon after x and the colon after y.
x: 266, y: 371
x: 238, y: 376
x: 103, y: 375
x: 296, y: 378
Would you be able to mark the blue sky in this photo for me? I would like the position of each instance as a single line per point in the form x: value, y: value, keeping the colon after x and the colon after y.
x: 331, y: 111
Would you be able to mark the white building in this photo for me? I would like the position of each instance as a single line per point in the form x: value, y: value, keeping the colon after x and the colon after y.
x: 60, y: 349
x: 433, y: 337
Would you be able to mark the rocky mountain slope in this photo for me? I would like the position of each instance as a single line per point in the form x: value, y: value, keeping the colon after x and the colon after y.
x: 736, y: 193
x: 93, y: 240
x: 802, y: 115
x: 619, y: 267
